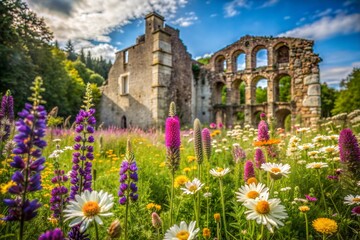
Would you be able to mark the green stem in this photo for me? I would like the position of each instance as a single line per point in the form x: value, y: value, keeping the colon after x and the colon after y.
x: 196, y: 211
x: 321, y: 189
x: 96, y: 230
x: 218, y: 230
x: 307, y: 227
x: 207, y: 211
x: 172, y: 197
x: 223, y: 207
x: 262, y: 232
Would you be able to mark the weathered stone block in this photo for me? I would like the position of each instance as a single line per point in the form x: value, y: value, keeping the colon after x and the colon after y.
x: 312, y: 101
x: 314, y: 90
x: 311, y: 79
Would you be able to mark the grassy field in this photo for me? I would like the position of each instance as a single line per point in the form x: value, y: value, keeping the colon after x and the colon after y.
x: 297, y: 149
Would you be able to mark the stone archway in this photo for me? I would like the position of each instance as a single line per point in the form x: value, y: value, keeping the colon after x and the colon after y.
x: 281, y: 115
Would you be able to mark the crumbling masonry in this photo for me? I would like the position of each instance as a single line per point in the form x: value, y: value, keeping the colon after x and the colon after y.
x: 146, y: 77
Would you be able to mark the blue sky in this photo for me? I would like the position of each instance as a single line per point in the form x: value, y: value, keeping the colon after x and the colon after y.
x: 206, y: 26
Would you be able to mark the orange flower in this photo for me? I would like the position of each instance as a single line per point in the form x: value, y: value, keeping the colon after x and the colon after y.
x: 266, y: 142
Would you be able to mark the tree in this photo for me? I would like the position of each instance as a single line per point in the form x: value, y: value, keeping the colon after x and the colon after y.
x: 349, y: 98
x: 285, y: 89
x: 70, y: 51
x: 89, y: 61
x: 261, y: 95
x: 22, y: 33
x: 328, y: 98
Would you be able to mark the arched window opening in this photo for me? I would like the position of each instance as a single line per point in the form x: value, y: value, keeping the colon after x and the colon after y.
x: 282, y: 54
x: 242, y: 87
x: 240, y: 62
x: 261, y: 58
x: 223, y: 95
x: 282, y: 89
x: 123, y: 122
x: 283, y: 119
x: 220, y: 93
x: 220, y: 64
x: 261, y: 91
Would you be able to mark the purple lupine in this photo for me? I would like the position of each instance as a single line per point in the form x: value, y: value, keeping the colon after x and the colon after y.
x: 75, y: 234
x: 259, y: 158
x: 206, y: 142
x: 238, y: 153
x: 128, y: 178
x: 172, y: 142
x: 27, y: 160
x: 263, y: 131
x: 58, y: 193
x: 6, y: 112
x: 248, y: 170
x: 55, y: 234
x: 349, y: 151
x: 81, y: 177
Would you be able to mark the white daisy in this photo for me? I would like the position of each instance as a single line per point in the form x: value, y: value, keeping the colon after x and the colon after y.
x: 317, y: 165
x: 265, y: 211
x: 192, y: 187
x: 88, y: 207
x: 276, y: 170
x: 219, y: 172
x: 182, y: 232
x: 251, y: 191
x: 351, y: 199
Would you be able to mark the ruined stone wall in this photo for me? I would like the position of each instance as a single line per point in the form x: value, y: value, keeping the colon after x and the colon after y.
x: 285, y: 57
x: 158, y: 71
x: 181, y: 77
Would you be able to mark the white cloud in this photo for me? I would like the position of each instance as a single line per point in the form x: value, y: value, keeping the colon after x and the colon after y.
x: 213, y: 15
x: 95, y: 19
x: 105, y: 50
x: 186, y: 21
x: 206, y: 55
x: 334, y: 75
x: 327, y: 27
x: 269, y: 3
x: 322, y: 13
x: 287, y: 17
x: 231, y: 7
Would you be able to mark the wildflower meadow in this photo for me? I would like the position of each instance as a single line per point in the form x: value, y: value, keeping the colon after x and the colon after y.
x: 204, y: 181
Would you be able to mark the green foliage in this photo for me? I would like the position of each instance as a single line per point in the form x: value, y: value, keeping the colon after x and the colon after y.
x: 223, y: 95
x: 261, y: 95
x: 204, y: 61
x: 328, y: 98
x: 242, y: 93
x: 349, y: 98
x: 196, y: 71
x: 285, y: 89
x: 54, y: 121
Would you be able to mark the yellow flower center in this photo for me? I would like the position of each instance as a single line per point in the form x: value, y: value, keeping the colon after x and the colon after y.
x: 252, y: 194
x: 304, y: 208
x: 251, y: 180
x: 91, y: 209
x: 317, y: 165
x: 192, y: 188
x: 262, y: 207
x: 183, y: 235
x: 356, y: 200
x: 219, y: 169
x: 275, y: 170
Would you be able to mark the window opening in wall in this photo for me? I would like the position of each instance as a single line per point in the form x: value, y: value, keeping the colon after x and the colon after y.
x: 242, y: 92
x: 126, y: 57
x: 284, y: 89
x: 261, y: 58
x: 124, y: 85
x: 261, y: 91
x: 240, y: 62
x: 123, y: 123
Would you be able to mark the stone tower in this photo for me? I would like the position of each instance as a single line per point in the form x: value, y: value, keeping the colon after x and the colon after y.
x: 146, y: 77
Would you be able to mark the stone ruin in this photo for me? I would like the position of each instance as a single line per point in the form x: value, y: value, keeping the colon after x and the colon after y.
x: 147, y: 76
